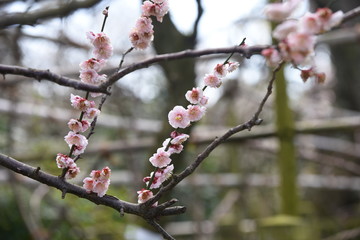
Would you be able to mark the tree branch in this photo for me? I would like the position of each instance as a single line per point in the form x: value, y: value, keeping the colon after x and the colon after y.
x: 255, y: 120
x: 351, y: 14
x: 107, y: 200
x: 33, y: 17
x: 244, y: 51
x: 49, y: 76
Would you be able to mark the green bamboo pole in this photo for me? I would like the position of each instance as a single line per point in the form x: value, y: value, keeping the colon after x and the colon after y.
x: 285, y: 127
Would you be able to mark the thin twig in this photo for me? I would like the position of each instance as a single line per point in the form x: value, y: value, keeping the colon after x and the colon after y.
x: 351, y: 14
x: 161, y: 230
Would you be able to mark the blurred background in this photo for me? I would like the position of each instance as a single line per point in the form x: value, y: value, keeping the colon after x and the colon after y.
x: 297, y: 176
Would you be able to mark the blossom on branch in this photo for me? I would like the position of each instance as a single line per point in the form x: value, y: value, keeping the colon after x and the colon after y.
x: 160, y: 159
x: 98, y: 182
x: 144, y: 195
x: 157, y: 8
x: 78, y: 126
x: 64, y: 161
x: 280, y: 11
x: 80, y: 103
x: 179, y: 117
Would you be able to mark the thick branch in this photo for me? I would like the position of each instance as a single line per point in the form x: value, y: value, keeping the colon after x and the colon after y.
x: 49, y: 76
x: 33, y: 17
x: 107, y: 200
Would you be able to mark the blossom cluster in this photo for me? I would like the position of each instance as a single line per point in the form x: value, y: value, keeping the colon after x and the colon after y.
x: 142, y: 34
x: 98, y: 182
x: 179, y: 117
x: 297, y: 37
x: 102, y: 51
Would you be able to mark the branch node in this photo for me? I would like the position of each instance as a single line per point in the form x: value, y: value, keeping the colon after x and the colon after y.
x: 36, y: 171
x: 63, y: 193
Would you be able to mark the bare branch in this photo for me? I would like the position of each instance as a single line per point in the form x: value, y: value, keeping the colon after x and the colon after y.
x: 49, y: 76
x: 33, y: 17
x: 161, y: 230
x: 200, y: 12
x: 351, y: 14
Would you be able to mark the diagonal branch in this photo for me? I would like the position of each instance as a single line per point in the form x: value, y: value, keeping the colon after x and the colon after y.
x: 255, y: 120
x: 49, y: 76
x: 107, y: 200
x: 33, y: 17
x: 351, y: 14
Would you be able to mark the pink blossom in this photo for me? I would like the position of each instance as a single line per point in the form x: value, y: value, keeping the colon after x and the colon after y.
x: 329, y: 19
x: 195, y: 112
x: 161, y: 175
x: 103, y: 52
x: 282, y: 30
x: 310, y: 24
x: 88, y: 184
x: 172, y: 148
x: 144, y: 195
x: 93, y: 63
x: 63, y: 161
x: 80, y: 103
x: 92, y: 77
x: 203, y: 101
x: 156, y: 8
x: 79, y: 149
x: 232, y: 66
x: 143, y: 33
x: 72, y: 172
x: 89, y: 76
x: 98, y: 182
x: 78, y: 126
x: 220, y: 70
x: 280, y: 11
x: 211, y: 80
x: 73, y: 138
x: 297, y: 47
x: 160, y: 159
x: 101, y: 187
x: 272, y: 56
x: 178, y: 117
x: 99, y: 39
x: 91, y: 113
x: 194, y: 96
x: 308, y: 73
x: 178, y: 138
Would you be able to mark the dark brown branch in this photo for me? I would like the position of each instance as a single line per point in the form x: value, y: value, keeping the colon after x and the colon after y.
x: 33, y: 17
x: 351, y: 14
x: 161, y: 230
x: 107, y: 200
x: 244, y: 51
x: 49, y: 76
x: 200, y: 11
x: 202, y: 156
